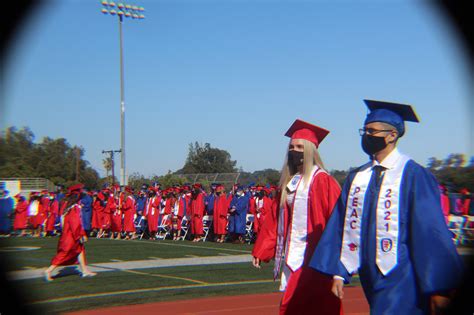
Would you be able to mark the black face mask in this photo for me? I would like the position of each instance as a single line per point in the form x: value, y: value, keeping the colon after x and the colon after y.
x: 372, y: 144
x: 295, y: 158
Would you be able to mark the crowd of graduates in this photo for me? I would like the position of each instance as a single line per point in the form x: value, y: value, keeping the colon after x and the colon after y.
x: 124, y: 213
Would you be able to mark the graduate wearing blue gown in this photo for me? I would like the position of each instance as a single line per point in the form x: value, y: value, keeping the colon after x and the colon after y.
x: 209, y: 199
x: 238, y: 209
x: 140, y: 203
x: 86, y: 212
x: 404, y: 272
x: 6, y: 210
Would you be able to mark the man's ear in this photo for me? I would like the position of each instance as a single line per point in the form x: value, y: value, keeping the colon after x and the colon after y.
x: 393, y: 137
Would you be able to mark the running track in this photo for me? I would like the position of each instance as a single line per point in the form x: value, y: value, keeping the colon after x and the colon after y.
x: 258, y: 304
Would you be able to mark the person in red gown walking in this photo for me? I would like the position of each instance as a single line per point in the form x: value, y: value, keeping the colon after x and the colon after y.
x: 128, y: 208
x: 20, y: 222
x: 71, y: 249
x: 292, y: 230
x: 53, y: 212
x: 197, y: 212
x: 221, y: 207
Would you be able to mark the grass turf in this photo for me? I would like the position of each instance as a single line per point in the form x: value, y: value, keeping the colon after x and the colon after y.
x: 106, y: 250
x: 126, y: 287
x: 71, y: 292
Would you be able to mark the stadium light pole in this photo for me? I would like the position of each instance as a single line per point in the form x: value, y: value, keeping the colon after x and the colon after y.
x: 122, y: 10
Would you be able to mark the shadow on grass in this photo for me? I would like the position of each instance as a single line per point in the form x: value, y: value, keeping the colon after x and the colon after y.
x: 68, y: 271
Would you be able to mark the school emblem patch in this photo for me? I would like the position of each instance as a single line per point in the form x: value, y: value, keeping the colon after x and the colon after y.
x: 386, y: 244
x: 352, y: 247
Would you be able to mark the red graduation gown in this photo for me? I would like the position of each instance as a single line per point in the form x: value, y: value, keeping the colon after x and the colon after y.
x: 115, y: 215
x: 128, y: 207
x: 260, y: 212
x: 182, y: 202
x: 21, y: 215
x: 152, y: 213
x: 221, y: 206
x: 97, y: 214
x: 307, y: 291
x: 69, y: 246
x: 197, y: 210
x: 52, y: 215
x: 41, y: 216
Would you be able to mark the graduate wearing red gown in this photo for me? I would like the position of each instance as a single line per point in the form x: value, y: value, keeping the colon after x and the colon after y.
x: 445, y: 205
x: 115, y: 214
x: 178, y: 213
x: 70, y: 245
x: 21, y: 214
x: 70, y: 248
x: 96, y: 213
x: 152, y: 210
x: 128, y: 208
x: 261, y: 206
x: 42, y: 215
x: 466, y: 201
x: 197, y: 212
x: 292, y: 238
x: 106, y: 213
x: 221, y: 207
x: 52, y: 214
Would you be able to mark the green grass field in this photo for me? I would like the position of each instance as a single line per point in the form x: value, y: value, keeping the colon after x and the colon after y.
x: 70, y: 292
x: 124, y: 287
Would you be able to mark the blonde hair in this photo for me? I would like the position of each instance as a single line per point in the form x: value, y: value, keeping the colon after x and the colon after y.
x: 311, y: 157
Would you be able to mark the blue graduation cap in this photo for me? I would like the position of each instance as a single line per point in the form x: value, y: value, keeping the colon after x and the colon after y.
x: 391, y: 113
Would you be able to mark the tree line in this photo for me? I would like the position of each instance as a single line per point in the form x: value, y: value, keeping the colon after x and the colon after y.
x: 64, y: 164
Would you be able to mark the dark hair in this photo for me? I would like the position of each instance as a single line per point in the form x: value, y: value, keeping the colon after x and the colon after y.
x: 72, y: 199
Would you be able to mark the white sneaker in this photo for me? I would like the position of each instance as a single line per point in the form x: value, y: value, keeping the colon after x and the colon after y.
x: 89, y: 274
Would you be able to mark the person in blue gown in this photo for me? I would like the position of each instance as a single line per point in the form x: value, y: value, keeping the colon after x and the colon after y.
x: 6, y: 211
x: 388, y: 226
x: 140, y: 203
x: 209, y: 199
x: 86, y: 211
x: 238, y: 209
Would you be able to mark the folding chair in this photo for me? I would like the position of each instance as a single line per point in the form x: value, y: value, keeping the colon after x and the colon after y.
x: 467, y: 230
x: 184, y: 228
x: 207, y: 223
x: 249, y: 228
x: 139, y: 226
x: 164, y: 228
x: 455, y: 224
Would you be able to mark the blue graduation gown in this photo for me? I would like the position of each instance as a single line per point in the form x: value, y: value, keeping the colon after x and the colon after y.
x: 140, y: 205
x: 86, y: 212
x: 238, y: 219
x: 141, y: 202
x: 6, y: 209
x: 427, y: 259
x: 210, y: 203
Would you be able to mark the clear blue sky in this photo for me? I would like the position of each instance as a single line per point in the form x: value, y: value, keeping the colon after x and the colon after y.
x: 236, y: 74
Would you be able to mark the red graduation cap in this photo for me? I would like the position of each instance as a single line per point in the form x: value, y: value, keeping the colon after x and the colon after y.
x: 303, y: 130
x: 129, y: 189
x: 352, y: 247
x: 197, y: 185
x: 75, y: 188
x: 220, y: 188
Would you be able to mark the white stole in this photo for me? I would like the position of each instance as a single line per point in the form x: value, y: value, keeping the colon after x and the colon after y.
x: 387, y: 218
x: 297, y: 233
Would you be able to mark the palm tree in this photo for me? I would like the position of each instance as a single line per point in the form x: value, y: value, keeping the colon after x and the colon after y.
x: 108, y: 165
